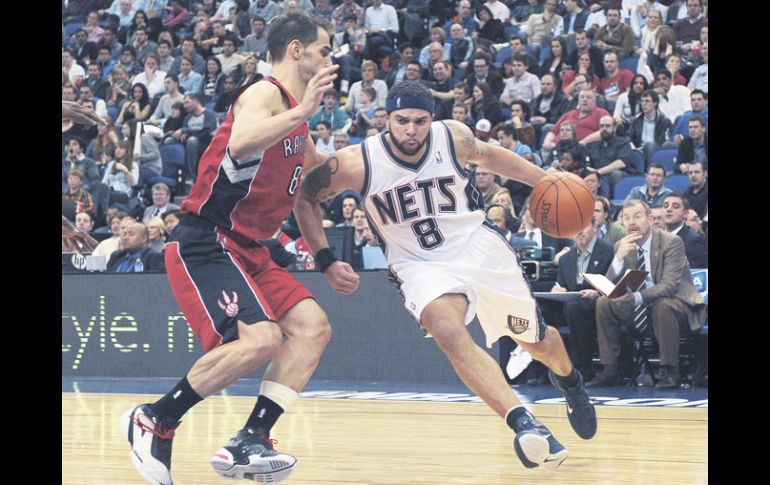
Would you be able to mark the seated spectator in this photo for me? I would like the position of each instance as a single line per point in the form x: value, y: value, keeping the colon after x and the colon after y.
x: 122, y: 174
x: 197, y: 63
x: 136, y: 256
x: 152, y: 78
x: 490, y: 28
x: 650, y: 131
x: 99, y: 106
x: 485, y: 104
x: 677, y: 209
x: 653, y: 192
x: 520, y: 122
x: 362, y: 236
x: 482, y: 72
x: 460, y: 48
x: 75, y: 159
x: 226, y: 99
x: 325, y: 142
x: 195, y: 133
x: 699, y: 101
x: 539, y: 26
x: 118, y: 224
x: 687, y: 30
x: 607, y: 229
x: 582, y: 77
x: 213, y: 82
x: 465, y: 18
x: 364, y: 111
x: 522, y: 85
x: 693, y: 148
x: 171, y: 219
x: 615, y: 34
x: 255, y: 44
x: 503, y: 197
x: 485, y: 182
x: 657, y: 43
x: 156, y: 234
x: 368, y: 79
x: 161, y: 202
x: 128, y: 61
x: 348, y: 205
x: 174, y: 121
x: 583, y: 46
x: 571, y: 158
x: 76, y: 194
x: 700, y: 78
x: 529, y: 231
x: 594, y: 181
x: 628, y: 106
x: 612, y: 156
x: 177, y: 16
x: 697, y: 194
x: 568, y: 137
x: 502, y: 217
x: 461, y: 113
x: 381, y: 24
x: 250, y: 74
x: 589, y: 255
x: 341, y: 140
x: 668, y: 302
x: 554, y: 64
x: 354, y: 37
x: 548, y: 107
x: 674, y: 100
x: 98, y: 86
x: 84, y: 222
x: 508, y: 138
x: 657, y: 217
x: 617, y: 81
x: 121, y: 88
x: 230, y: 61
x: 695, y: 223
x: 137, y: 109
x: 172, y: 96
x: 483, y: 130
x: 586, y: 119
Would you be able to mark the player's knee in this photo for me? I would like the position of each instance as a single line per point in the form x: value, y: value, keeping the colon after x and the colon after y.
x: 263, y: 338
x: 315, y: 330
x: 447, y: 335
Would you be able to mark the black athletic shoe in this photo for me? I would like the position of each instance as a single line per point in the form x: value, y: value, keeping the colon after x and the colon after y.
x: 150, y: 438
x: 250, y: 455
x: 580, y: 411
x: 536, y: 446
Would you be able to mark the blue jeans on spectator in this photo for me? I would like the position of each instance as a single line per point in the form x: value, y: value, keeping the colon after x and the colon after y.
x: 349, y: 70
x: 613, y: 178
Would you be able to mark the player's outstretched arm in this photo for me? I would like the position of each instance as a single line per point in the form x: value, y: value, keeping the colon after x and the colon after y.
x: 257, y: 126
x: 344, y: 170
x: 496, y: 159
x: 74, y: 112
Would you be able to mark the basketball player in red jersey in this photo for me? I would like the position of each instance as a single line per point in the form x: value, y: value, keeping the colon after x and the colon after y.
x: 245, y: 309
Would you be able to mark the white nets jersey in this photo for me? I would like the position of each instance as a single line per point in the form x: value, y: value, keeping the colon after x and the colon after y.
x: 425, y: 211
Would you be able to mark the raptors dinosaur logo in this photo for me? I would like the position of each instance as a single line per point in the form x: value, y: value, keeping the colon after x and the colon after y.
x: 230, y: 304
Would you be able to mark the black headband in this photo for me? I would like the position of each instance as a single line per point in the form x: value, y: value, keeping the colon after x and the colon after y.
x: 409, y: 101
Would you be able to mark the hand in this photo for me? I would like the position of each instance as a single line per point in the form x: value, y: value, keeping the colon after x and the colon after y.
x: 678, y: 138
x: 559, y: 255
x: 537, y: 120
x: 589, y: 294
x: 74, y: 112
x: 316, y: 87
x: 342, y: 278
x: 684, y: 167
x: 627, y: 296
x: 121, y: 167
x: 627, y: 245
x: 557, y: 288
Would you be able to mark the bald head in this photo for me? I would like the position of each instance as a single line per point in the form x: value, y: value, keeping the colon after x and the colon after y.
x: 135, y: 237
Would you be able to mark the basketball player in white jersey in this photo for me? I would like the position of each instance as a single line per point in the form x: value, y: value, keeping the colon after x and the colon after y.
x: 451, y: 262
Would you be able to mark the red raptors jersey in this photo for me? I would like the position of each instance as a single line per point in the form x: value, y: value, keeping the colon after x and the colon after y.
x: 248, y: 198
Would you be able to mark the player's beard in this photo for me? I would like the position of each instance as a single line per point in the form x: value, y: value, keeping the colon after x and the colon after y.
x: 406, y: 151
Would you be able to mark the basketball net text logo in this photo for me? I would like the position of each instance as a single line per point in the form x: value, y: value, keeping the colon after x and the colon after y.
x: 544, y: 210
x: 517, y: 325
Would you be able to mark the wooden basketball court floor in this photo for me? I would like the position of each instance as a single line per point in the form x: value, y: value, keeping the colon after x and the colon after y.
x: 392, y: 442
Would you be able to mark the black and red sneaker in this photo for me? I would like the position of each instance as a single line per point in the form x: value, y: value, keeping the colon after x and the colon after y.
x: 250, y: 455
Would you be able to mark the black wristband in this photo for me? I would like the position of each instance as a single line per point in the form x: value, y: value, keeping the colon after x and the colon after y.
x: 324, y: 258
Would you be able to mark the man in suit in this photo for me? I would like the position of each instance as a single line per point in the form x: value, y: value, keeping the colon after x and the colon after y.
x: 589, y: 255
x: 161, y: 202
x: 136, y: 256
x: 667, y: 300
x: 676, y: 209
x: 483, y: 73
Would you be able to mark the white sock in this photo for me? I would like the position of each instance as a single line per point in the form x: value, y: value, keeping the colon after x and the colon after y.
x: 278, y: 393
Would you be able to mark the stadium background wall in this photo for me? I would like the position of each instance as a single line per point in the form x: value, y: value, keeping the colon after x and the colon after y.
x: 129, y: 325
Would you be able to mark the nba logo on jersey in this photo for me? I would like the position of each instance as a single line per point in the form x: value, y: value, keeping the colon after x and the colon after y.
x: 438, y: 157
x: 398, y: 102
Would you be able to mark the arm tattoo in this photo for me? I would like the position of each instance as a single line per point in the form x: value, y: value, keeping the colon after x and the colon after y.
x: 319, y: 178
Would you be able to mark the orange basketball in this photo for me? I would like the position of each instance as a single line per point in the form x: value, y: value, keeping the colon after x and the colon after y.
x: 561, y: 204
